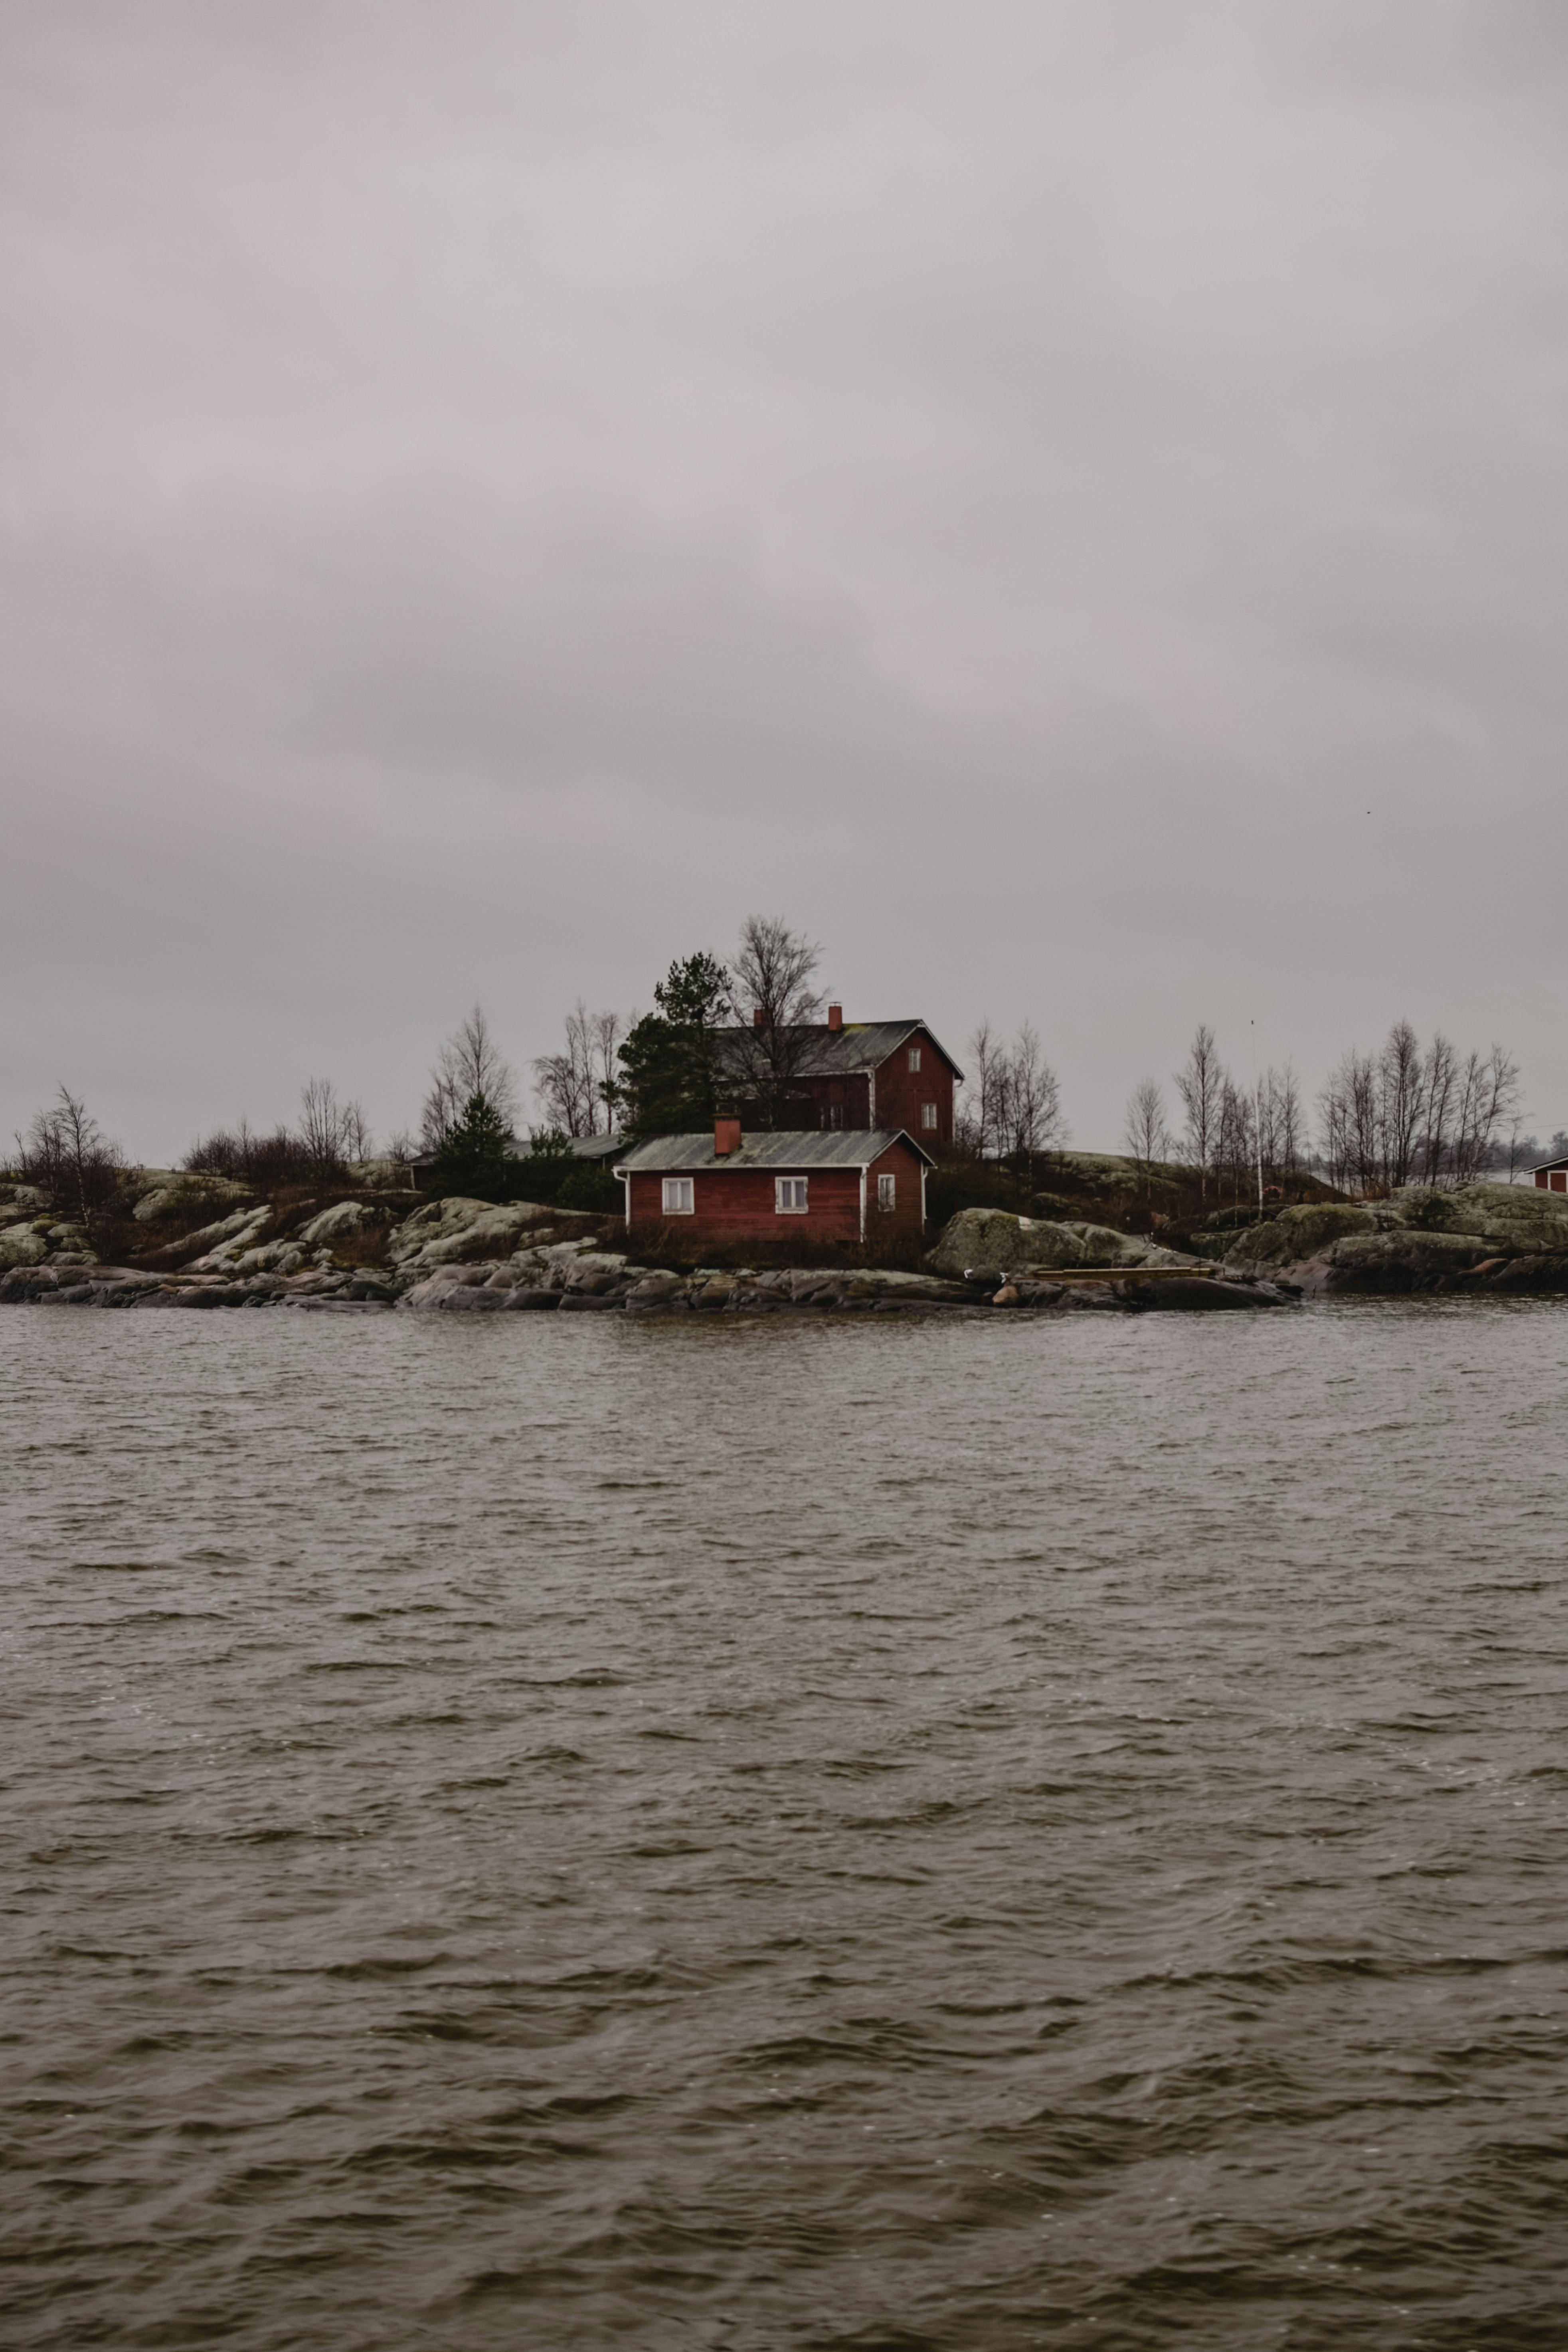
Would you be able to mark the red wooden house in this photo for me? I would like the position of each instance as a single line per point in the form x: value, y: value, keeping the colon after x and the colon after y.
x: 778, y: 1185
x: 888, y: 1075
x: 1552, y: 1176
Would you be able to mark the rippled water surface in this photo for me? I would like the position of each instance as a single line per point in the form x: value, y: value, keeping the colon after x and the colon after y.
x: 858, y: 1832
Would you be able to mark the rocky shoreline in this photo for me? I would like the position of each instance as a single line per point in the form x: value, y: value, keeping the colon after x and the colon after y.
x: 580, y: 1278
x: 373, y: 1255
x: 463, y: 1256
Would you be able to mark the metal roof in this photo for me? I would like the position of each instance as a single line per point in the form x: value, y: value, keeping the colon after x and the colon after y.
x: 789, y: 1148
x: 834, y: 1052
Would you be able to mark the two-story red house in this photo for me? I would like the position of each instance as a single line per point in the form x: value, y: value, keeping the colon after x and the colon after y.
x: 816, y: 1184
x: 861, y: 1075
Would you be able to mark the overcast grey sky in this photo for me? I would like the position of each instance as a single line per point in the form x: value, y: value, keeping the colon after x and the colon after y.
x: 1065, y: 502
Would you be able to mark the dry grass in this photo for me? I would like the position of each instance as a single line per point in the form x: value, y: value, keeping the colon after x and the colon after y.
x: 367, y: 1247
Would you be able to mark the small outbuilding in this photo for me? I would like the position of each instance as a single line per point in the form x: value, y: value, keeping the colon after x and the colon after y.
x: 1552, y: 1176
x: 777, y: 1185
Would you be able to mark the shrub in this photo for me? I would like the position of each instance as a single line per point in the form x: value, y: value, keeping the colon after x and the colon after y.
x: 68, y: 1158
x: 267, y: 1161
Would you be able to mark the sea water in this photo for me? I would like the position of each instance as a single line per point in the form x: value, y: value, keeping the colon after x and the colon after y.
x: 960, y: 1831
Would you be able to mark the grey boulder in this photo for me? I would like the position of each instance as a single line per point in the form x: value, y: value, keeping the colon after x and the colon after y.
x: 993, y: 1241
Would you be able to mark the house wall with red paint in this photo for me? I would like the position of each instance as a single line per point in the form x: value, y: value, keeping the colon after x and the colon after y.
x: 903, y: 1095
x: 731, y: 1201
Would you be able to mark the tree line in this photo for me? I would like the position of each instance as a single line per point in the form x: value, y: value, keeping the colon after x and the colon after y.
x: 1405, y: 1113
x: 733, y: 1035
x: 720, y: 1036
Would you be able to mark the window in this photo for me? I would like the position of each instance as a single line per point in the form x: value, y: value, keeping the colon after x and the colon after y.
x: 789, y: 1195
x: 928, y: 1115
x: 887, y: 1191
x: 914, y: 1057
x: 678, y: 1196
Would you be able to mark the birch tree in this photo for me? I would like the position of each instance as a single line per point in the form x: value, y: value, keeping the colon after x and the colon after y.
x: 1200, y: 1085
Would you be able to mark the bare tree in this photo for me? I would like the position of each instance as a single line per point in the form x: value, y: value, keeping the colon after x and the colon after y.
x: 356, y: 1134
x: 1516, y: 1143
x: 976, y: 1121
x: 67, y: 1155
x: 1288, y: 1121
x: 1236, y: 1135
x: 1200, y: 1085
x: 1442, y: 1085
x: 1401, y: 1095
x: 469, y: 1063
x: 1387, y: 1117
x: 1265, y: 1108
x: 1029, y: 1107
x: 1488, y: 1096
x: 1147, y: 1133
x: 572, y: 1085
x: 772, y: 974
x: 440, y: 1110
x: 608, y: 1029
x: 323, y: 1127
x: 1350, y: 1110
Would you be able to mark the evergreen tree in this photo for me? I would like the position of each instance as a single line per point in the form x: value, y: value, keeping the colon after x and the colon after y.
x: 475, y: 1159
x: 671, y: 1079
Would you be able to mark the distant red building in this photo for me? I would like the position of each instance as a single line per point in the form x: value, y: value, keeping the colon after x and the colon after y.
x: 778, y: 1185
x: 1552, y: 1176
x: 889, y: 1075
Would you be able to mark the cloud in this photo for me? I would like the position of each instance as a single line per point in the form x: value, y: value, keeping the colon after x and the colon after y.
x: 1069, y: 502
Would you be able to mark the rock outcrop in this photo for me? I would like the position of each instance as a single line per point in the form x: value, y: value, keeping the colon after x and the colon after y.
x: 991, y: 1240
x: 459, y: 1231
x: 1419, y: 1239
x: 335, y: 1223
x: 21, y: 1244
x: 179, y: 1194
x: 242, y: 1228
x: 577, y: 1277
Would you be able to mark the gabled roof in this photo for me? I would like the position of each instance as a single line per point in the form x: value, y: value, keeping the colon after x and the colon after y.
x: 780, y: 1148
x: 857, y: 1045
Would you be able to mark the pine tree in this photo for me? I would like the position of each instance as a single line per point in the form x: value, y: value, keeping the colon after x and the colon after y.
x: 475, y: 1160
x: 671, y: 1079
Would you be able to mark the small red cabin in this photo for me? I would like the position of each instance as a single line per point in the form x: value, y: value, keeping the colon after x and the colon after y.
x: 1552, y: 1176
x: 778, y: 1185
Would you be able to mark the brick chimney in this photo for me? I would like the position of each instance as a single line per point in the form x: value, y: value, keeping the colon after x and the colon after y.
x: 836, y: 1016
x: 758, y: 1017
x: 726, y: 1137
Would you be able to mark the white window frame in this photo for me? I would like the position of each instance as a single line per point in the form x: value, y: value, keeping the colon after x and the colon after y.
x: 927, y: 1117
x: 786, y: 1192
x: 914, y: 1057
x: 679, y: 1197
x: 887, y: 1192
